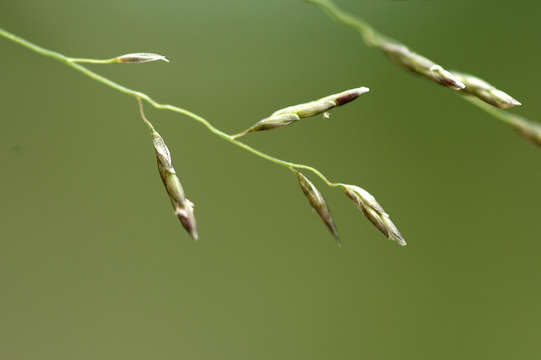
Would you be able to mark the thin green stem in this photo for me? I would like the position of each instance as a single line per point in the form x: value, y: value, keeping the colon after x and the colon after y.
x: 370, y: 36
x: 93, y: 61
x: 142, y: 96
x: 374, y: 38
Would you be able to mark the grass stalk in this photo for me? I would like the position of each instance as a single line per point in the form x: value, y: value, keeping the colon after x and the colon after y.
x: 74, y: 64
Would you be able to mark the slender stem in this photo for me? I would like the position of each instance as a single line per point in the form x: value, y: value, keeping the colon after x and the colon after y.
x: 370, y: 36
x: 241, y: 134
x: 72, y: 62
x: 93, y: 61
x: 142, y: 112
x: 374, y: 38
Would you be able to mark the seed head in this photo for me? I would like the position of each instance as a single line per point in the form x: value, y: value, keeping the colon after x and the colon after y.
x: 372, y: 210
x: 138, y: 58
x: 182, y: 206
x: 290, y: 114
x: 318, y: 203
x: 421, y: 65
x: 486, y: 92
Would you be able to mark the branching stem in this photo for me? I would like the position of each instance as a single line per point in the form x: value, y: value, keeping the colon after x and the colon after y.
x: 74, y: 63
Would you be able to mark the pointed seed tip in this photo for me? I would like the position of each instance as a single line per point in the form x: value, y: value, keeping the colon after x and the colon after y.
x: 362, y: 90
x: 509, y: 104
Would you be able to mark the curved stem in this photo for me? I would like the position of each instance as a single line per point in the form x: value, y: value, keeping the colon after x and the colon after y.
x: 142, y: 112
x: 72, y: 62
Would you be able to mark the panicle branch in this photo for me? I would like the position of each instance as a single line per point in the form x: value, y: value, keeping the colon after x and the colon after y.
x: 182, y: 206
x: 467, y: 85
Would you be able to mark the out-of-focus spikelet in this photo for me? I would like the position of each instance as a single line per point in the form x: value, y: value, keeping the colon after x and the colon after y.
x: 403, y: 56
x: 486, y: 92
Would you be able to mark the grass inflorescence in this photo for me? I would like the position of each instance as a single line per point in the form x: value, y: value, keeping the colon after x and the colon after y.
x: 184, y: 208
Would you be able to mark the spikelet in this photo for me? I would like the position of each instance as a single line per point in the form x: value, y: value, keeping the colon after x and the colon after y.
x: 182, y: 206
x: 318, y: 203
x: 273, y: 122
x: 421, y: 65
x: 294, y: 113
x: 138, y: 58
x: 486, y: 92
x: 374, y: 212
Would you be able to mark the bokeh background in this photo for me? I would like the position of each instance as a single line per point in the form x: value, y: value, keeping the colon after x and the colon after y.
x: 94, y: 265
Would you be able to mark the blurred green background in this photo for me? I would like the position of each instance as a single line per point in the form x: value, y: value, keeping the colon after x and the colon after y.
x: 94, y: 265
